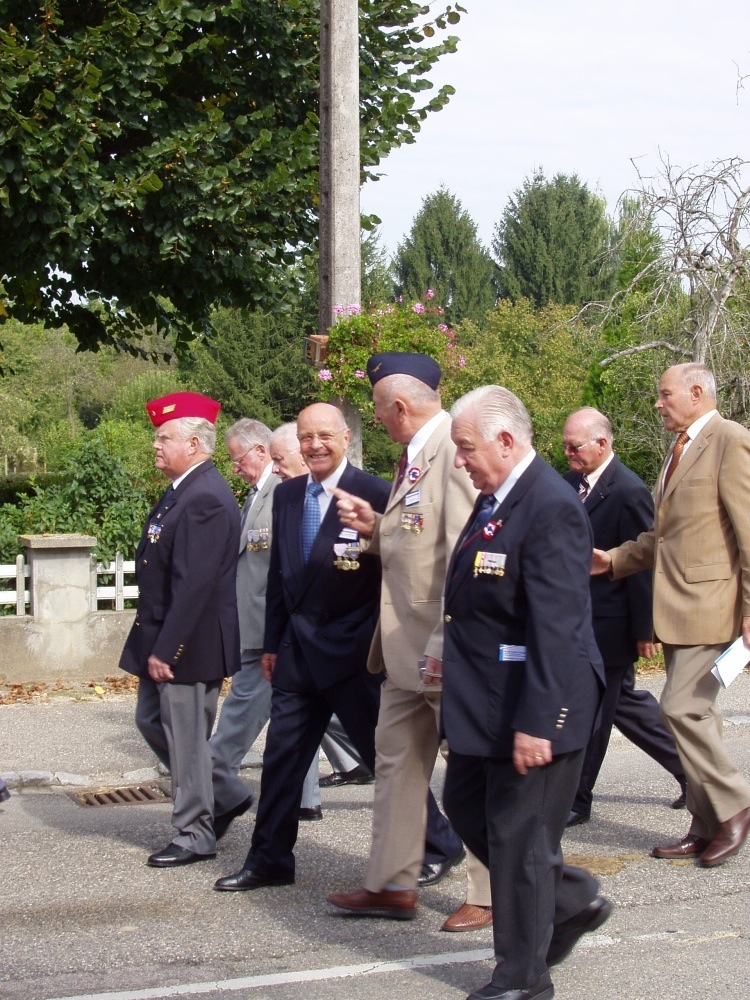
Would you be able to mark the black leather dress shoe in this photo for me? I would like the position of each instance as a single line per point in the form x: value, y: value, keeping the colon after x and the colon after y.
x: 576, y: 818
x: 314, y: 812
x: 567, y: 934
x: 359, y: 775
x: 244, y: 880
x: 432, y: 874
x: 173, y: 856
x: 541, y: 990
x: 223, y: 821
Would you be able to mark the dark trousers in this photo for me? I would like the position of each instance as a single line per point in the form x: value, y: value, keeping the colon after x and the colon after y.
x: 636, y: 714
x: 514, y: 824
x: 298, y: 721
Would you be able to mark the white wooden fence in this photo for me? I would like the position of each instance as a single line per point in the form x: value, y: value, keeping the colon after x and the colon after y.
x: 111, y: 596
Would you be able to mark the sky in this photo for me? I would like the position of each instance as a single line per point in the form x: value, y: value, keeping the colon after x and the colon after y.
x: 572, y: 86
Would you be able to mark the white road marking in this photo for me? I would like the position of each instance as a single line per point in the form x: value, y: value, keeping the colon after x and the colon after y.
x: 281, y: 978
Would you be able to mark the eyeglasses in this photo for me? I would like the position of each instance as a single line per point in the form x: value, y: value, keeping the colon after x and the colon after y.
x: 237, y: 462
x: 575, y: 448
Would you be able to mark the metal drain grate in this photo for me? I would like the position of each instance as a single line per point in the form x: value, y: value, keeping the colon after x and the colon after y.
x: 129, y: 795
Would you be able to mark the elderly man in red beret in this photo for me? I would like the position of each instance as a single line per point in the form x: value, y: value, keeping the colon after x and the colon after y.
x: 185, y: 638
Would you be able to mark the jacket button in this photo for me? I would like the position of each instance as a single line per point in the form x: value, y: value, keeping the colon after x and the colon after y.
x: 447, y: 618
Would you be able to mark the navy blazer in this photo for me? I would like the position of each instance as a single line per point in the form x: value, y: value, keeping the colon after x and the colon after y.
x: 186, y: 567
x: 542, y: 604
x: 620, y: 507
x: 319, y: 619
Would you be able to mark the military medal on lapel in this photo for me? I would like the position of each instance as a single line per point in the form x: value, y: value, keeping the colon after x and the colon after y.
x: 413, y: 474
x: 154, y: 530
x: 489, y: 564
x: 488, y: 531
x: 257, y: 539
x: 412, y: 521
x: 347, y: 555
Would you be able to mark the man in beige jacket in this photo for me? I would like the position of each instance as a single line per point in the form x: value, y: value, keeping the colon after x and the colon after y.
x: 699, y: 548
x: 429, y: 504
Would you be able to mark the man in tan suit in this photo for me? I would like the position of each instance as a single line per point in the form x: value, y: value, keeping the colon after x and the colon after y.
x: 699, y: 548
x: 429, y: 503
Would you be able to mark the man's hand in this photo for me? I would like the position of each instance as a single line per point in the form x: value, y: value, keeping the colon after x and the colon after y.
x: 647, y: 649
x: 355, y: 513
x: 159, y: 671
x: 433, y: 671
x: 601, y: 562
x: 267, y: 663
x: 530, y: 751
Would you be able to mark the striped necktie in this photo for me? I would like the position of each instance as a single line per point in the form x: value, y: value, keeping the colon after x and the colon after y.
x: 674, y: 459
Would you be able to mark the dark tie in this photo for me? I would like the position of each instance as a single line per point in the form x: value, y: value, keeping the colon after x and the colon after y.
x: 481, y: 518
x: 251, y: 495
x: 674, y: 460
x: 583, y: 489
x: 401, y: 472
x: 310, y: 518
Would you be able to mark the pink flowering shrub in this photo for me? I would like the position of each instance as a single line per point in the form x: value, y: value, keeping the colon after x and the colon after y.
x: 398, y: 326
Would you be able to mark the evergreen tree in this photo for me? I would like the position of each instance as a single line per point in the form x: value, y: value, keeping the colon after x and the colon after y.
x: 552, y: 242
x: 443, y: 253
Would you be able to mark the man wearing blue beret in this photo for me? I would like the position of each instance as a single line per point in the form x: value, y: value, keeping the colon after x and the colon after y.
x: 429, y: 503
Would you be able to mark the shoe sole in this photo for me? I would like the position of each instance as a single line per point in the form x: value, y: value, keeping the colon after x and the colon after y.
x: 380, y: 911
x: 467, y: 927
x: 249, y: 888
x: 601, y: 917
x: 179, y: 864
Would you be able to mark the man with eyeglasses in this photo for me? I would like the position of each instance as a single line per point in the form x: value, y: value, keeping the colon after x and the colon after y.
x: 619, y: 507
x: 247, y: 706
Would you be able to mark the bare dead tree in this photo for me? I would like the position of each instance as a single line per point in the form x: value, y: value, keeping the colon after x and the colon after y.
x: 690, y: 298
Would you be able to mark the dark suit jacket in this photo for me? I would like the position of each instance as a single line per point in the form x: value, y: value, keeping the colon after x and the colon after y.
x: 186, y: 567
x: 541, y: 602
x: 620, y: 507
x: 319, y: 619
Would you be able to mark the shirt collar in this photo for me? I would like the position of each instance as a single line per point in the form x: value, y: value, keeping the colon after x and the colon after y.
x: 423, y: 435
x: 515, y: 474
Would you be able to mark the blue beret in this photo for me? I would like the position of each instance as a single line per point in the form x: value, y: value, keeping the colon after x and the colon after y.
x: 420, y: 366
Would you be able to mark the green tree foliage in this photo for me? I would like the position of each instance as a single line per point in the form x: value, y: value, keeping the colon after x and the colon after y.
x: 254, y: 365
x: 552, y: 242
x: 99, y: 496
x: 442, y: 253
x: 50, y: 393
x: 542, y: 355
x: 377, y: 281
x: 161, y: 156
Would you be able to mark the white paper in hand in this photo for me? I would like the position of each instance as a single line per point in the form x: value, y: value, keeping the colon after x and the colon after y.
x: 731, y: 663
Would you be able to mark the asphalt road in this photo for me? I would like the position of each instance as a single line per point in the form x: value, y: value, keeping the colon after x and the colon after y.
x: 83, y: 916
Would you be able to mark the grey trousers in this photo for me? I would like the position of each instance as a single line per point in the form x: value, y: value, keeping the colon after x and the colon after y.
x: 176, y: 721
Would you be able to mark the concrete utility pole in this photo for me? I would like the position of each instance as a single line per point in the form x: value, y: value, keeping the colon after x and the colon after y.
x: 339, y: 282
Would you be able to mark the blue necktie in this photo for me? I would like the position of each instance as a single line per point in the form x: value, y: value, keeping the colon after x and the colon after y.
x: 310, y: 518
x: 486, y: 506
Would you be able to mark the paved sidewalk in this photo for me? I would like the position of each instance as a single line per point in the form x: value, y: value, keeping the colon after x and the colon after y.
x: 91, y: 741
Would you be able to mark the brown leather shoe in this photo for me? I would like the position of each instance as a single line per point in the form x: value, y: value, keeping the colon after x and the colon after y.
x: 398, y: 904
x: 689, y: 847
x: 468, y: 917
x: 728, y: 838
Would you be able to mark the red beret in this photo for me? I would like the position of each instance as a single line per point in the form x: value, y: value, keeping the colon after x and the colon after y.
x: 182, y: 404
